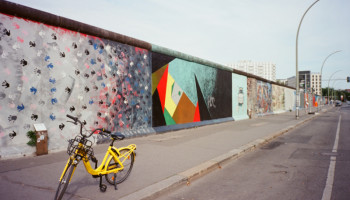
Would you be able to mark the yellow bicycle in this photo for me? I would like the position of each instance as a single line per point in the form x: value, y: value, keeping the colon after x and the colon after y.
x: 116, y: 160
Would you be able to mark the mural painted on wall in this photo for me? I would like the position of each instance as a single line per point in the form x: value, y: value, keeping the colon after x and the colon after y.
x: 290, y: 99
x: 239, y: 97
x: 48, y: 72
x: 251, y: 94
x: 185, y: 92
x: 259, y: 97
x: 278, y: 96
x: 264, y: 98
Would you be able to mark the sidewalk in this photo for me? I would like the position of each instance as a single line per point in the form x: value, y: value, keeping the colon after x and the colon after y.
x: 163, y: 161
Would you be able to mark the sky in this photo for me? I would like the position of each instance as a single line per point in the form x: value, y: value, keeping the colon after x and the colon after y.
x: 228, y: 31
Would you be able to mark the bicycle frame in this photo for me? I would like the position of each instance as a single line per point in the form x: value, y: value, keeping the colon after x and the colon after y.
x: 112, y: 153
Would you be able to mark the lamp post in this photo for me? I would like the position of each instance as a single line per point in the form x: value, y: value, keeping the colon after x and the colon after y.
x: 296, y: 65
x: 329, y: 81
x: 322, y: 68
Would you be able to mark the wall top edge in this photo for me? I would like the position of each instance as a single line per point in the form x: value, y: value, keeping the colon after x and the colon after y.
x: 25, y: 12
x: 177, y: 54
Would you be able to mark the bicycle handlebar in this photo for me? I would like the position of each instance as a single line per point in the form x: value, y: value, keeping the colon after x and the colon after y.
x: 102, y: 131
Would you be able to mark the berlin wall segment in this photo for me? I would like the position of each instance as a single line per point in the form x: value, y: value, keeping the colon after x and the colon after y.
x: 187, y: 92
x: 112, y: 81
x: 48, y: 72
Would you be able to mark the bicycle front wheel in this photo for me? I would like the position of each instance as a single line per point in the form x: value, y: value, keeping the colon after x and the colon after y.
x: 127, y: 158
x: 62, y: 186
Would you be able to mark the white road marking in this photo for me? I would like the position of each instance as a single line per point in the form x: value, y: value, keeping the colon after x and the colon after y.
x: 327, y: 192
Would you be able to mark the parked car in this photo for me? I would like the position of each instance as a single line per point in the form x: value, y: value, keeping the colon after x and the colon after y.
x: 337, y: 103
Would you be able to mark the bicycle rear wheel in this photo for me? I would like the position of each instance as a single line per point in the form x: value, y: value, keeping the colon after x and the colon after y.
x: 63, y: 184
x: 127, y: 159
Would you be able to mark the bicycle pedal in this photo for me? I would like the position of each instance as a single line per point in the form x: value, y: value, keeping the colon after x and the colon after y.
x: 103, y: 188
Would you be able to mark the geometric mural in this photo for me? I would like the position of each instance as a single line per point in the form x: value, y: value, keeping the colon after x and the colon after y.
x: 185, y: 92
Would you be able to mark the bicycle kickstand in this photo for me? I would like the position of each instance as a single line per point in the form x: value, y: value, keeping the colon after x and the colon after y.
x: 103, y: 187
x: 115, y: 181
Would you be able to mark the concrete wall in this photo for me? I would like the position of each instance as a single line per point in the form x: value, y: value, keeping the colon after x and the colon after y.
x: 51, y: 66
x: 48, y: 72
x: 259, y: 97
x: 185, y: 92
x: 239, y: 97
x: 278, y: 99
x: 289, y: 99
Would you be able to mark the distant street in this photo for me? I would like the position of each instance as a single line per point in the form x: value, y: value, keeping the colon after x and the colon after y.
x: 293, y: 166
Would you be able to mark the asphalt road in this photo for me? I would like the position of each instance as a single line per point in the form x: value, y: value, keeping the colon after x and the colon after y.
x: 310, y: 162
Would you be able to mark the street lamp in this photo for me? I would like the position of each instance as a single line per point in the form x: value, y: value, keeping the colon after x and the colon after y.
x: 329, y: 81
x: 296, y: 65
x: 322, y: 68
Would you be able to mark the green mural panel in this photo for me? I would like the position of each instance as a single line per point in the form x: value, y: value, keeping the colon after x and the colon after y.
x: 183, y: 72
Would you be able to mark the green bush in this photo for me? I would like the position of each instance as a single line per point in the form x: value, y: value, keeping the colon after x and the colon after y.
x: 32, y: 138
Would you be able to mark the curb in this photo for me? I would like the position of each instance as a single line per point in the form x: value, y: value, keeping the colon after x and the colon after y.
x: 187, y: 176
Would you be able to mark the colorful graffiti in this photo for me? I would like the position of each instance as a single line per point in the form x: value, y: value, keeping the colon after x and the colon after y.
x: 185, y: 92
x: 278, y: 96
x: 48, y: 72
x: 264, y: 98
x: 259, y: 97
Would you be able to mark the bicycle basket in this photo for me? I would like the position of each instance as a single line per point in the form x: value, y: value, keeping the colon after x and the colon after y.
x: 86, y: 151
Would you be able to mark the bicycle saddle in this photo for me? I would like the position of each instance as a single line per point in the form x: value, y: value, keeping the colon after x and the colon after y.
x: 117, y: 136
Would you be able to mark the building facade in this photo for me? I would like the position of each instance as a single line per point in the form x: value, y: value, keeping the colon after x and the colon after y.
x: 316, y: 83
x: 266, y: 70
x: 307, y: 81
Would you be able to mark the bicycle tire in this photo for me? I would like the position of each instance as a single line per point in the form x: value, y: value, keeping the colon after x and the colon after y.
x: 122, y: 175
x: 63, y: 184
